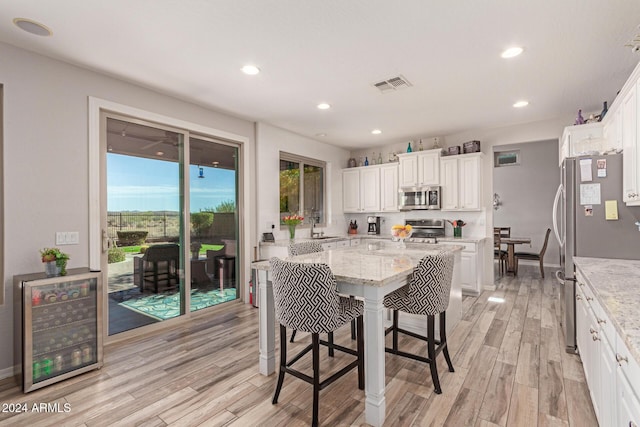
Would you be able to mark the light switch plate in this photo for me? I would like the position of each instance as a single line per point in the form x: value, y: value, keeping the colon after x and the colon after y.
x: 67, y: 237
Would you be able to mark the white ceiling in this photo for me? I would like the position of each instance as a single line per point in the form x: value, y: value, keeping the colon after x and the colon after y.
x: 334, y: 50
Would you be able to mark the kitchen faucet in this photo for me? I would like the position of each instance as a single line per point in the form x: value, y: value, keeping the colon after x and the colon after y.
x: 312, y: 230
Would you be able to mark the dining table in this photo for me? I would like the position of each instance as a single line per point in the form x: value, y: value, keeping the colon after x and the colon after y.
x: 369, y: 272
x: 511, y: 242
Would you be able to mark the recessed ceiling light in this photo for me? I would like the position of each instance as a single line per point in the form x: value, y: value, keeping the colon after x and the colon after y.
x: 512, y: 52
x: 324, y: 106
x: 32, y: 27
x: 521, y: 104
x: 321, y: 134
x: 251, y: 70
x: 376, y: 131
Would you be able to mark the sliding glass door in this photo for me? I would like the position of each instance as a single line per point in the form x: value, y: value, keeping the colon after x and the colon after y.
x: 172, y: 223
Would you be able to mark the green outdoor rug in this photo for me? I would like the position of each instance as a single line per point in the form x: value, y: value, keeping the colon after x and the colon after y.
x: 163, y: 307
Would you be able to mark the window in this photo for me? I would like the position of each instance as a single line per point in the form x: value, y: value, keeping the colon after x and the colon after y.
x: 302, y: 187
x: 506, y: 158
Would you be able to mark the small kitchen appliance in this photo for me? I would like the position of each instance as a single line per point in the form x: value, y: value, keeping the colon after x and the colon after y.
x: 422, y: 198
x: 373, y: 226
x: 425, y: 230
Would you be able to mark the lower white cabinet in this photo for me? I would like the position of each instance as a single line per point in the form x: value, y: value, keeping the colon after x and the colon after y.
x: 355, y: 242
x: 470, y: 267
x: 612, y: 373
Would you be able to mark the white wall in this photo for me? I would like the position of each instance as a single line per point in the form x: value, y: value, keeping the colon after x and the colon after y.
x: 46, y: 158
x: 272, y: 140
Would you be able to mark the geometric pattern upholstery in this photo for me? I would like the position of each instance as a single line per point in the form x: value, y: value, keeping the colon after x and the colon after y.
x: 428, y: 290
x: 306, y: 297
x: 304, y: 248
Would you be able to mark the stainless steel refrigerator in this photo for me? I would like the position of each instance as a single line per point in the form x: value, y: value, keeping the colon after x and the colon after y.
x: 582, y: 230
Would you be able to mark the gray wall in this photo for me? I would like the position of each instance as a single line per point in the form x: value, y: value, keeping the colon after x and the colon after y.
x: 46, y: 154
x: 527, y: 191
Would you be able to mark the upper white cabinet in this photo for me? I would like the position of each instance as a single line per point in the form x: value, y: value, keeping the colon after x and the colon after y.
x: 419, y: 169
x: 461, y: 181
x: 370, y: 189
x: 629, y: 115
x: 389, y: 188
x: 582, y: 139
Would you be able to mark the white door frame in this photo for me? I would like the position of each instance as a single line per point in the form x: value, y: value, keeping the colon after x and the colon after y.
x: 98, y: 105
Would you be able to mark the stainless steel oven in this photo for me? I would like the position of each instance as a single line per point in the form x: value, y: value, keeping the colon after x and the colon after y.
x: 422, y: 198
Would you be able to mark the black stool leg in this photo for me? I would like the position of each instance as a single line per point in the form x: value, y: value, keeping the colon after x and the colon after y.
x: 431, y: 349
x: 330, y: 345
x: 395, y: 330
x: 360, y: 346
x: 293, y: 335
x: 443, y: 339
x: 283, y: 362
x: 353, y: 328
x: 315, y: 341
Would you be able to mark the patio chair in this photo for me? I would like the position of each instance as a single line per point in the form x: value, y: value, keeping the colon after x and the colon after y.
x: 158, y: 267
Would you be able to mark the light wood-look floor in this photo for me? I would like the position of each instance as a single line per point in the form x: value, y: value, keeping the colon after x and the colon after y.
x: 511, y: 370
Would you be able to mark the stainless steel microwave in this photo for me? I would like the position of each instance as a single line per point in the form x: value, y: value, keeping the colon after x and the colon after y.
x: 420, y: 198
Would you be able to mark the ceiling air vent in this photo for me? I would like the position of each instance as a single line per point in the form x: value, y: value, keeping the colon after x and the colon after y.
x: 394, y: 83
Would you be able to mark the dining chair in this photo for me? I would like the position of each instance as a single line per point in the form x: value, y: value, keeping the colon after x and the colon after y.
x: 426, y: 294
x: 306, y: 299
x: 534, y: 256
x: 499, y: 253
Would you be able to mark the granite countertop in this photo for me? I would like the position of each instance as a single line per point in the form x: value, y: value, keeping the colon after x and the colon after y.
x: 387, y: 237
x: 375, y: 266
x: 616, y: 285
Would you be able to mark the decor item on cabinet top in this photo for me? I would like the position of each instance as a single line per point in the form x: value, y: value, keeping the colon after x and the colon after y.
x: 292, y: 221
x: 352, y: 162
x: 409, y: 150
x: 55, y: 261
x: 471, y: 147
x: 579, y: 118
x: 604, y: 110
x: 457, y: 227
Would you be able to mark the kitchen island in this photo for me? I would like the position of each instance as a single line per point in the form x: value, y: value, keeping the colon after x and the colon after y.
x: 369, y: 272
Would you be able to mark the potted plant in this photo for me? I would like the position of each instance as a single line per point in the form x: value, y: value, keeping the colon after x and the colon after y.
x: 55, y: 261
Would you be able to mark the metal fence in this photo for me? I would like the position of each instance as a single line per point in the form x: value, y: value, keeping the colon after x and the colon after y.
x: 160, y: 225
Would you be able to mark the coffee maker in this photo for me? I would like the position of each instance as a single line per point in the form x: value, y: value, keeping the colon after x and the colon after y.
x: 373, y: 225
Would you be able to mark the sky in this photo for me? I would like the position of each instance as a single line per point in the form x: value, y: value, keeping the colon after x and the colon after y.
x: 139, y: 184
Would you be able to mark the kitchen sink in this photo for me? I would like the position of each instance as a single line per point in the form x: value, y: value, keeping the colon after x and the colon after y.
x: 324, y: 237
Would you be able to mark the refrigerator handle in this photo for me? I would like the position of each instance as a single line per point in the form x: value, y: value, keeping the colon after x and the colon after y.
x: 555, y: 215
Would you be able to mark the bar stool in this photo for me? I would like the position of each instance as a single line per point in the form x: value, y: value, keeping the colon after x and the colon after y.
x: 303, y: 248
x: 306, y: 299
x: 426, y: 294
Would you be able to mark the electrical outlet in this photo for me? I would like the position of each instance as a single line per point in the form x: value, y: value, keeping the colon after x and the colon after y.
x: 270, y: 225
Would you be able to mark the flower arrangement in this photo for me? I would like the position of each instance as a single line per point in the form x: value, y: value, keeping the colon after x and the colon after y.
x: 292, y: 221
x: 55, y: 254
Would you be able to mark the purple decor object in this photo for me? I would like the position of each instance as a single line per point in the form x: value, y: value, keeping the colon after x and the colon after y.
x: 579, y: 119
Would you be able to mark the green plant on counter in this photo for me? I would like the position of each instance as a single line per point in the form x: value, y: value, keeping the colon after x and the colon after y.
x: 55, y: 254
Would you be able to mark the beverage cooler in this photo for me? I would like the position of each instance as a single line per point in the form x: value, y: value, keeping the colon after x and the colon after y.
x: 58, y: 323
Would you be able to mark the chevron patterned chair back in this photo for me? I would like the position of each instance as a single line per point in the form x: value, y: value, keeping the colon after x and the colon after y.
x: 306, y: 298
x: 304, y: 248
x: 429, y: 289
x: 426, y: 294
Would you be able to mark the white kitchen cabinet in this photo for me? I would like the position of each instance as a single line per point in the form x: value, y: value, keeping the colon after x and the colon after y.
x: 329, y: 245
x: 370, y: 189
x: 419, y: 169
x: 470, y: 267
x: 461, y: 182
x: 389, y: 188
x: 611, y: 371
x: 343, y: 244
x: 582, y: 139
x: 355, y: 242
x: 361, y: 189
x: 630, y: 178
